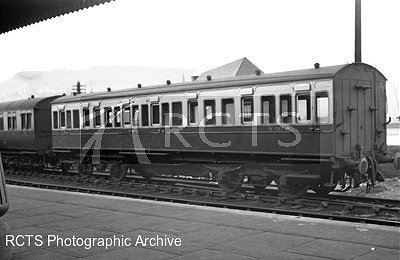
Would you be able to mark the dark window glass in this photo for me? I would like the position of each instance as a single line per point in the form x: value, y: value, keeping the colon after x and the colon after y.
x: 108, y: 116
x: 193, y: 112
x: 247, y: 109
x: 127, y: 115
x: 86, y: 117
x: 286, y: 108
x: 62, y: 118
x: 228, y: 111
x: 303, y: 108
x: 55, y: 119
x: 75, y: 115
x: 135, y: 115
x: 177, y: 113
x: 1, y: 123
x: 268, y: 110
x: 209, y: 112
x: 155, y: 114
x: 29, y: 121
x: 23, y: 121
x: 9, y: 121
x: 69, y: 119
x: 97, y: 116
x: 165, y: 113
x: 117, y: 117
x: 145, y: 115
x: 322, y: 108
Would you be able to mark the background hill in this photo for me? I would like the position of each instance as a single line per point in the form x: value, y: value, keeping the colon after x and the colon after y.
x: 46, y: 83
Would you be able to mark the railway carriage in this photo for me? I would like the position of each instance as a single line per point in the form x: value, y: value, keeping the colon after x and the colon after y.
x: 25, y: 131
x: 303, y: 129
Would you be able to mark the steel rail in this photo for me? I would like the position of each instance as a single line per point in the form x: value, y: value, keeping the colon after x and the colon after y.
x: 332, y: 210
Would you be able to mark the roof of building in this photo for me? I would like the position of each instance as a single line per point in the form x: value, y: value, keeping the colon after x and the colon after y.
x: 15, y: 14
x: 236, y: 68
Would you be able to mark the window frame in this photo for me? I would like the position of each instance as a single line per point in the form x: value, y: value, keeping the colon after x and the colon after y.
x: 62, y: 123
x: 290, y: 107
x: 242, y: 109
x: 117, y: 114
x: 68, y: 123
x: 177, y: 121
x: 196, y: 115
x: 126, y: 108
x: 86, y: 117
x: 152, y: 114
x: 324, y: 94
x: 223, y: 108
x: 165, y: 115
x: 262, y: 100
x: 213, y: 118
x: 23, y: 121
x: 309, y: 105
x: 135, y: 115
x: 75, y: 116
x: 1, y: 121
x: 145, y: 121
x: 96, y: 116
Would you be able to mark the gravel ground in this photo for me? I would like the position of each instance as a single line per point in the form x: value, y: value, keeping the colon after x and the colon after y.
x: 389, y: 189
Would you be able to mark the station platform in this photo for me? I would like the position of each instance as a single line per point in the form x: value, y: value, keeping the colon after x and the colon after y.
x: 142, y: 229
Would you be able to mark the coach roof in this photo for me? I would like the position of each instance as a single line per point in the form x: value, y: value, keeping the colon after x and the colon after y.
x: 264, y: 78
x: 24, y: 104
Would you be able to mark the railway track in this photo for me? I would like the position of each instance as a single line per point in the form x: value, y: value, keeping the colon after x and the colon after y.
x: 343, y: 208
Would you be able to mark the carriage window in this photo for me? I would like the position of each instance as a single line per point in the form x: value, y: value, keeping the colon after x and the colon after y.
x: 155, y: 114
x: 12, y: 122
x: 268, y: 110
x: 286, y: 108
x: 97, y: 116
x: 145, y: 115
x: 117, y: 117
x: 165, y: 113
x: 108, y: 116
x: 1, y: 123
x: 29, y: 121
x: 247, y: 109
x: 193, y: 112
x: 69, y: 119
x: 135, y: 115
x: 209, y: 112
x: 303, y: 108
x: 55, y: 119
x: 322, y: 110
x: 228, y: 111
x: 23, y: 121
x: 86, y: 117
x: 62, y: 118
x: 127, y: 115
x: 75, y: 118
x: 177, y: 113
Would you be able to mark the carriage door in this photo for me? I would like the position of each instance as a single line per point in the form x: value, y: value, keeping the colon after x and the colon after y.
x: 362, y: 115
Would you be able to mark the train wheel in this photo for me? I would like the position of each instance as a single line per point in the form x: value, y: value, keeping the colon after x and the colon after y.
x: 292, y: 189
x: 229, y: 181
x: 85, y: 170
x: 118, y: 172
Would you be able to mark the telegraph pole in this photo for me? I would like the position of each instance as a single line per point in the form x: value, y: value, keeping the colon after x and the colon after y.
x: 357, y: 49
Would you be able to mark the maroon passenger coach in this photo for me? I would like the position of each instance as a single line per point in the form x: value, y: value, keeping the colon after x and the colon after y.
x: 304, y: 129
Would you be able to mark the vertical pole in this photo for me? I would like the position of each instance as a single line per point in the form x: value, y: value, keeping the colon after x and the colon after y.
x: 357, y: 50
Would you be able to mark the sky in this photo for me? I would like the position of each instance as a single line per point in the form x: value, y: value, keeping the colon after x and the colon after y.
x: 274, y: 35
